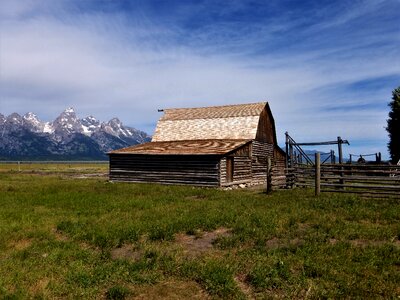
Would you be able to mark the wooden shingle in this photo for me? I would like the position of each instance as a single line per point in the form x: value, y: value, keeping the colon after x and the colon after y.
x: 197, y: 147
x: 213, y: 112
x: 216, y: 122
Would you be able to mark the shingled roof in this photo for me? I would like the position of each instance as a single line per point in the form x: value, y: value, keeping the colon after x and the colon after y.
x: 203, y: 147
x: 215, y: 122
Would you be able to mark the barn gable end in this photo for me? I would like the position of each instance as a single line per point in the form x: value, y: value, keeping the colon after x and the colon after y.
x: 266, y: 127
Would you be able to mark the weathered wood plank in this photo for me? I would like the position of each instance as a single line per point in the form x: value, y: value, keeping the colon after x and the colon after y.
x: 166, y: 169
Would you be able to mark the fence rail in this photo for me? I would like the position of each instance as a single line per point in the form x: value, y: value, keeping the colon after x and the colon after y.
x: 368, y: 180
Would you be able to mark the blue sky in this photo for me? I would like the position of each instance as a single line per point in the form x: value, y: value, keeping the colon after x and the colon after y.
x: 327, y: 68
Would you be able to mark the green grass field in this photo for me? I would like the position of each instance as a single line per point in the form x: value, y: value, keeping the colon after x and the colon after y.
x: 54, y: 168
x: 63, y: 237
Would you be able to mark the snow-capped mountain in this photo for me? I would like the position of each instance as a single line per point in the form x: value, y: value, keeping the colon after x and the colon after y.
x: 66, y: 137
x: 90, y: 125
x: 30, y: 119
x: 14, y: 120
x: 66, y: 123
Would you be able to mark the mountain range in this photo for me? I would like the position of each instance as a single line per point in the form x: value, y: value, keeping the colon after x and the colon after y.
x: 67, y: 137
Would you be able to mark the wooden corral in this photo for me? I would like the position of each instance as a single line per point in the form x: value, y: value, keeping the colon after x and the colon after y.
x: 381, y: 181
x: 212, y: 146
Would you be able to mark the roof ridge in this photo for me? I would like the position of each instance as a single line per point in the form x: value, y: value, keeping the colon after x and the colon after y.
x: 200, y: 140
x: 217, y: 106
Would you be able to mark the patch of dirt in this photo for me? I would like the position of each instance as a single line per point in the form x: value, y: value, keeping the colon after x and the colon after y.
x: 59, y: 236
x: 275, y: 243
x: 127, y: 252
x: 198, y: 245
x: 86, y: 246
x: 307, y: 294
x: 39, y: 286
x: 243, y: 286
x: 333, y: 241
x: 21, y: 244
x: 366, y: 243
x: 175, y: 289
x: 296, y: 242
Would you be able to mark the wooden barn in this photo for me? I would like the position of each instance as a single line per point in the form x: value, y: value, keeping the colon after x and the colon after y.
x: 210, y: 146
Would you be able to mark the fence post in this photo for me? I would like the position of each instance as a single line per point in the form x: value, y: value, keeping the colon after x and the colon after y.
x: 317, y: 174
x: 291, y: 155
x: 287, y: 150
x: 340, y: 142
x: 378, y: 157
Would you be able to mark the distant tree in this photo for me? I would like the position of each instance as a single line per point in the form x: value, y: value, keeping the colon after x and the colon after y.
x: 393, y: 126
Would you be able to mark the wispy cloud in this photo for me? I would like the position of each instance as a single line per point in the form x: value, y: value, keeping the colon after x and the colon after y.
x: 326, y: 68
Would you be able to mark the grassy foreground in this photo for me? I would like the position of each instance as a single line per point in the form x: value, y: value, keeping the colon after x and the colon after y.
x: 62, y: 237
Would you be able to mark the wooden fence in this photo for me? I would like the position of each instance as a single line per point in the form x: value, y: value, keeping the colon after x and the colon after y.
x: 365, y: 179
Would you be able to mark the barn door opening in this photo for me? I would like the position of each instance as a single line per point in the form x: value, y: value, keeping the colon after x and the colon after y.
x: 229, y: 169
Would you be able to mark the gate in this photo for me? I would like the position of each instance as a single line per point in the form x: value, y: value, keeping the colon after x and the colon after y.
x: 296, y: 155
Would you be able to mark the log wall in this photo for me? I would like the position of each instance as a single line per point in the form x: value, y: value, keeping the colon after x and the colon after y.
x: 278, y: 170
x: 260, y: 154
x: 201, y: 170
x: 241, y: 170
x: 249, y: 167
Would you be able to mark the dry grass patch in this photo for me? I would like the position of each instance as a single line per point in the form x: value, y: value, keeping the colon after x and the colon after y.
x: 39, y: 286
x: 244, y: 287
x: 333, y: 241
x: 21, y: 244
x: 59, y: 236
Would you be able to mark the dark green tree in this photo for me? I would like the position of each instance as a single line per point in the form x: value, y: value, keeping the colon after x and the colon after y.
x: 393, y: 126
